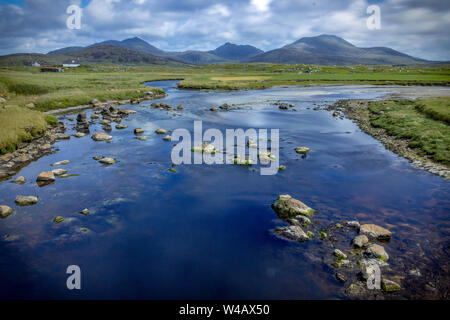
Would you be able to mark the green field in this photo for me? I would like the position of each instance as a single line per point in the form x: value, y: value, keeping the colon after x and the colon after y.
x: 21, y: 86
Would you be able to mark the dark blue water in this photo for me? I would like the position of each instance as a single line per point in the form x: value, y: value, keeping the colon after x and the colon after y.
x: 206, y: 231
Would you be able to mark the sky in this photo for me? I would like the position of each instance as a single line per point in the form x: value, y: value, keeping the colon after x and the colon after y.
x: 417, y: 27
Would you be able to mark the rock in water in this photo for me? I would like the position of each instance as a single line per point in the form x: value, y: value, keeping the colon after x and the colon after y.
x: 339, y: 254
x: 101, y: 136
x: 377, y: 251
x: 46, y: 176
x: 59, y: 172
x: 20, y: 180
x: 302, y: 150
x: 389, y: 285
x: 180, y: 107
x: 292, y: 233
x: 374, y: 231
x: 138, y: 131
x: 161, y: 131
x: 60, y: 163
x: 107, y: 161
x: 360, y: 241
x: 26, y: 200
x: 167, y: 138
x: 5, y: 212
x: 287, y: 207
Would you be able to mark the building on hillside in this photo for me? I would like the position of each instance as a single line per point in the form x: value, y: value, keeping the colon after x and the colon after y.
x: 71, y: 64
x: 51, y: 69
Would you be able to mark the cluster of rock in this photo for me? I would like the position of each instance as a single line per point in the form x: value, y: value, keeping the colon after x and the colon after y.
x: 165, y: 106
x: 369, y: 258
x: 224, y: 107
x: 284, y: 106
x: 28, y: 152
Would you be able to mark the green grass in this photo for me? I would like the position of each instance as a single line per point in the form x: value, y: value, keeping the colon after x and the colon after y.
x: 21, y: 125
x: 405, y: 120
x: 437, y: 108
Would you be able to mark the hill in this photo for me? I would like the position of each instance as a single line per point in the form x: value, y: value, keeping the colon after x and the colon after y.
x: 332, y: 50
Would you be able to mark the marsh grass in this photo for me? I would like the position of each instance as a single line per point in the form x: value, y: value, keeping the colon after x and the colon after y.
x: 402, y: 119
x: 21, y: 125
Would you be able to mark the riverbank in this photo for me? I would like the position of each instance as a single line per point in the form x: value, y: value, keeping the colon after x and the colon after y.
x: 406, y: 128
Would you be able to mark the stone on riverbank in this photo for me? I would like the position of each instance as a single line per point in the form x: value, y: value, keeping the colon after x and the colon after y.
x: 101, y: 136
x: 292, y: 233
x: 5, y: 212
x: 287, y: 207
x: 374, y: 231
x: 26, y: 200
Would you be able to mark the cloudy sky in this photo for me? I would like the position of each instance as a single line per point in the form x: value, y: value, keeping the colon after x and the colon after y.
x: 416, y: 27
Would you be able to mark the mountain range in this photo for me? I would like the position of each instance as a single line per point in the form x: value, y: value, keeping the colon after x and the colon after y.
x: 320, y: 50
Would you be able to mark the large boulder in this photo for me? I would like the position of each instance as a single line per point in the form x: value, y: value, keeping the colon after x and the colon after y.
x: 288, y: 207
x: 5, y: 212
x: 292, y: 233
x: 101, y: 136
x: 375, y: 232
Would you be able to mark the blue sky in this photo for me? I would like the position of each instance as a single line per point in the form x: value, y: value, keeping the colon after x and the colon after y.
x: 419, y: 28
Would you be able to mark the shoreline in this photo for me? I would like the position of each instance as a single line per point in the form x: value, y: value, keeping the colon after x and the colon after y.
x: 358, y: 111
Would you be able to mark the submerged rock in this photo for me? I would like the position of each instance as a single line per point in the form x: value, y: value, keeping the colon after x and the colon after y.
x: 339, y: 254
x: 242, y: 161
x: 374, y: 231
x: 205, y: 147
x: 180, y: 107
x: 389, y: 285
x: 252, y: 144
x: 292, y: 233
x: 61, y: 163
x: 287, y: 207
x: 302, y: 150
x: 58, y: 219
x: 26, y: 200
x: 340, y: 277
x: 59, y: 172
x: 101, y: 136
x: 142, y: 138
x: 376, y: 251
x: 5, y: 212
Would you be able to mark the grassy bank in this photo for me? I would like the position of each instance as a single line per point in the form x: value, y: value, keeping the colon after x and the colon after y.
x: 21, y: 125
x: 423, y: 123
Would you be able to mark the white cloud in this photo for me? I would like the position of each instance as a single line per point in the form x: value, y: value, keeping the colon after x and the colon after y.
x: 261, y: 5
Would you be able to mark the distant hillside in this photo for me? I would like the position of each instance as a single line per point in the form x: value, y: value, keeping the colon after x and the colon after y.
x: 226, y: 53
x: 332, y: 50
x: 236, y: 52
x: 104, y: 53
